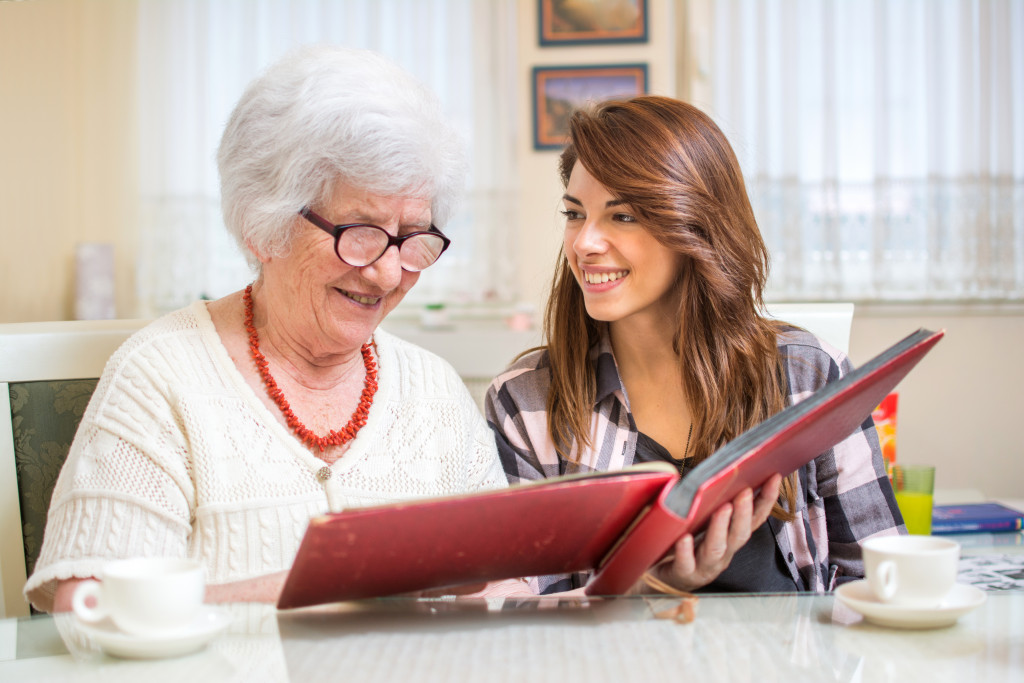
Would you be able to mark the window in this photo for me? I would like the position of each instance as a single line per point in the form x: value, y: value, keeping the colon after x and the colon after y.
x: 882, y: 143
x: 196, y: 57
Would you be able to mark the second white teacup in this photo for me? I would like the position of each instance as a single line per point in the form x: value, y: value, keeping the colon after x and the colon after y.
x: 912, y: 571
x: 144, y: 596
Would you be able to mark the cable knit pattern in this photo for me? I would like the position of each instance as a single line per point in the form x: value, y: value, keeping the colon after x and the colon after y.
x: 176, y: 455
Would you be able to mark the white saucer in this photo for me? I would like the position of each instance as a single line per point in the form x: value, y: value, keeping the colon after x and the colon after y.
x: 210, y: 623
x: 962, y: 599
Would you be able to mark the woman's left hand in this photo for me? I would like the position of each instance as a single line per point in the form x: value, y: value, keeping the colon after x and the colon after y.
x: 697, y: 564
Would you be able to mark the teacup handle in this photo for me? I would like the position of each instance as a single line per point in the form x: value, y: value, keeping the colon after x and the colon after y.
x: 887, y: 578
x: 90, y: 588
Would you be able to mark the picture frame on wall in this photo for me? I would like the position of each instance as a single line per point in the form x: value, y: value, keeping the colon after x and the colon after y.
x: 560, y: 90
x: 587, y: 22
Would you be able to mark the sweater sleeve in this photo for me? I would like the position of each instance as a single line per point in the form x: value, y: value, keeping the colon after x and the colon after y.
x: 125, y: 489
x: 485, y: 467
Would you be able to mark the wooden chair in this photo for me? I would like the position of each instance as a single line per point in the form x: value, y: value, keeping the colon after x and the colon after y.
x: 48, y: 372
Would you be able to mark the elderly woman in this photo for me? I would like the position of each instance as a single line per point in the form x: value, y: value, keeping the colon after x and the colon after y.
x: 217, y: 431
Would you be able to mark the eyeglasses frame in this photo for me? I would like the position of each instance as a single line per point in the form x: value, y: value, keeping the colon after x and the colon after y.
x: 336, y: 231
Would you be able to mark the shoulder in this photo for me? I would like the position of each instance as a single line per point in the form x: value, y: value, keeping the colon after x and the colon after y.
x: 520, y: 391
x: 414, y: 365
x: 528, y: 375
x: 535, y: 360
x: 185, y: 326
x: 164, y: 347
x: 809, y: 362
x: 406, y: 352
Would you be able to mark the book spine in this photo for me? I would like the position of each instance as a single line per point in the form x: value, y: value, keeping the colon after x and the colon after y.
x: 949, y: 527
x: 646, y: 543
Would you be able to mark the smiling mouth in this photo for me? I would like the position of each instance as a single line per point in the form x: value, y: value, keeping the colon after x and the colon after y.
x: 601, y: 278
x: 360, y: 298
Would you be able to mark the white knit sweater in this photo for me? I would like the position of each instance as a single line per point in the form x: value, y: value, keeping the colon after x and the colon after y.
x: 176, y: 455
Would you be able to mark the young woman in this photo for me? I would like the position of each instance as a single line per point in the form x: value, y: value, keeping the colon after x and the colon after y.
x: 658, y: 350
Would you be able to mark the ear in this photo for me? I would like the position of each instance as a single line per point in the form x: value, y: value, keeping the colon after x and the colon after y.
x: 262, y: 258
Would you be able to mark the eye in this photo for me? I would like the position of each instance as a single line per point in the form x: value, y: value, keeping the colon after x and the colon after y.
x: 624, y: 218
x: 572, y: 215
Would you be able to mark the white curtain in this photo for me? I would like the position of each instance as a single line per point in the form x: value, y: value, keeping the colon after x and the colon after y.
x: 197, y: 56
x: 882, y: 142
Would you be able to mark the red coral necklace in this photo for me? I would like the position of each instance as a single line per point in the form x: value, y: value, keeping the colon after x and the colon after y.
x: 335, y: 438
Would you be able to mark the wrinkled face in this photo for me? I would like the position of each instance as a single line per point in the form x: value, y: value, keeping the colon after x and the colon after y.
x: 331, y: 306
x: 624, y: 272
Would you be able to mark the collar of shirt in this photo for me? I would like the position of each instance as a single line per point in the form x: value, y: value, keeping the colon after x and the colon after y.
x: 606, y: 371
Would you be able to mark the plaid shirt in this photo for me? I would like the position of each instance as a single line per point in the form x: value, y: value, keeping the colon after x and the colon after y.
x: 843, y: 496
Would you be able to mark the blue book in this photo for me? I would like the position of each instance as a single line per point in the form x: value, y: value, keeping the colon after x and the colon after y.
x: 970, y: 517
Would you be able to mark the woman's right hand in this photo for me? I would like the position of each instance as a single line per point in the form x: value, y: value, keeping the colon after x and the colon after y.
x: 696, y: 564
x: 62, y: 596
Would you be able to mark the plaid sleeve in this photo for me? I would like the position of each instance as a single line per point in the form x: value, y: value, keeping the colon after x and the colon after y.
x: 848, y: 497
x: 858, y: 497
x: 516, y: 410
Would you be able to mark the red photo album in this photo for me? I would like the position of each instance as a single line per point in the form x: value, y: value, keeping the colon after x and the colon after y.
x: 617, y: 524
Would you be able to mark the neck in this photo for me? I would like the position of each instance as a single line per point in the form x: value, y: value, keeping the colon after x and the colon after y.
x: 643, y: 349
x: 303, y: 360
x: 651, y: 374
x: 274, y: 392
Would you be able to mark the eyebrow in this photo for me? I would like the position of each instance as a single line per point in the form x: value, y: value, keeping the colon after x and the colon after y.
x: 362, y: 217
x: 608, y: 204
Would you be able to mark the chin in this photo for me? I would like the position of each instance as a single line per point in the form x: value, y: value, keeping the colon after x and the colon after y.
x: 602, y: 314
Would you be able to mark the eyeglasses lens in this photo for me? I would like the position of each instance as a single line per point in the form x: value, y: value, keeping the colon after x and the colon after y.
x: 421, y: 251
x: 364, y: 244
x: 361, y: 245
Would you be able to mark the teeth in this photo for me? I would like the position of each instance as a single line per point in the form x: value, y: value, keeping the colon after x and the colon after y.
x: 600, y: 278
x: 367, y: 300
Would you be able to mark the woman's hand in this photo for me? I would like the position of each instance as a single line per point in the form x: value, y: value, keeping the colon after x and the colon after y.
x: 259, y: 589
x: 62, y: 597
x: 730, y: 527
x: 509, y: 588
x: 265, y: 588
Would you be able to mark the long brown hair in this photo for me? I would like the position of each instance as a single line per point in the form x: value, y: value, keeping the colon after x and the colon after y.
x: 676, y: 170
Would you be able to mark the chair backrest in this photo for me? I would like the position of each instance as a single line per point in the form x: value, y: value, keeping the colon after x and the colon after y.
x: 48, y: 372
x: 828, y: 321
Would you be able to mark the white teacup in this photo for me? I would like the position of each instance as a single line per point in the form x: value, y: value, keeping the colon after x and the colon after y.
x: 913, y: 571
x: 146, y: 596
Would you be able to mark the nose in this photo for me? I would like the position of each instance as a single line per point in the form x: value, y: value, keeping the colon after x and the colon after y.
x: 589, y: 239
x: 385, y: 272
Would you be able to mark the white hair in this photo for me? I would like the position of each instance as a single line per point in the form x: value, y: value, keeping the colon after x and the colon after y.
x: 324, y: 115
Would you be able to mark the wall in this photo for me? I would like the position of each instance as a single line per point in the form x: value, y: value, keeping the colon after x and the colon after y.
x: 540, y: 188
x: 66, y: 149
x: 961, y: 407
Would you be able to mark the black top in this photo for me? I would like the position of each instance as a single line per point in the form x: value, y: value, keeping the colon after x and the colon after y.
x: 757, y: 567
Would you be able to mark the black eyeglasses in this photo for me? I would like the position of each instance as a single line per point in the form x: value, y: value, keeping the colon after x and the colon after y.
x: 360, y: 244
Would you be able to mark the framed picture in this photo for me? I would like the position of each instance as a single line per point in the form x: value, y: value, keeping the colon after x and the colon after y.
x: 560, y: 90
x: 576, y: 22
